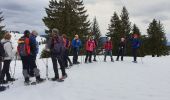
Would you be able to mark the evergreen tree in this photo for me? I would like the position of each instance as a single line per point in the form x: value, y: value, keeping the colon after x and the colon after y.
x: 115, y: 31
x: 135, y: 30
x: 157, y: 39
x: 125, y: 23
x: 95, y: 32
x: 1, y: 26
x: 69, y: 16
x: 126, y: 29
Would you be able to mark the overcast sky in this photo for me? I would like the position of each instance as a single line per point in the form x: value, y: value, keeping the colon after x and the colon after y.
x: 27, y: 14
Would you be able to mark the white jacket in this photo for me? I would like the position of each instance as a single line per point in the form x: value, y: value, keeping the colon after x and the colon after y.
x: 8, y: 49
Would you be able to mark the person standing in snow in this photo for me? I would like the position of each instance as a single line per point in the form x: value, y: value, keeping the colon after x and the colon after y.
x: 121, y: 49
x: 135, y: 46
x: 34, y: 48
x: 108, y: 46
x: 7, y: 45
x: 76, y: 44
x: 95, y: 49
x: 66, y: 54
x: 56, y: 47
x: 90, y: 45
x: 25, y: 50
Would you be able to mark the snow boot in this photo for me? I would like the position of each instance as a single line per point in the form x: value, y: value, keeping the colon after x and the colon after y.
x: 64, y: 77
x: 27, y: 81
x: 39, y: 80
x: 3, y: 82
x: 11, y: 79
x: 57, y: 79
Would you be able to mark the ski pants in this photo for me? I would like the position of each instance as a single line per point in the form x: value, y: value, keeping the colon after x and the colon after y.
x: 60, y: 59
x: 75, y: 55
x: 120, y: 53
x: 66, y: 58
x: 28, y: 63
x: 88, y: 56
x: 108, y: 52
x: 5, y: 70
x: 134, y: 50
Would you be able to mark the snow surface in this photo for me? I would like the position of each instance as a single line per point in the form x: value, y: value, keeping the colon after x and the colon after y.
x: 98, y: 81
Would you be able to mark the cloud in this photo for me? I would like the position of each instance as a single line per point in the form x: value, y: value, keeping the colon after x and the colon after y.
x: 28, y: 14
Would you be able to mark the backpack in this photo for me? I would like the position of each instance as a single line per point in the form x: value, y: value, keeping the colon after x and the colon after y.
x: 59, y: 47
x: 2, y: 50
x: 23, y: 47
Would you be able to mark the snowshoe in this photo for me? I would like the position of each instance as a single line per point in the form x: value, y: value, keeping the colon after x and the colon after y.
x: 3, y: 88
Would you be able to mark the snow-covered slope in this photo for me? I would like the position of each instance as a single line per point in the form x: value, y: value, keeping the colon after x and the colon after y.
x: 98, y: 81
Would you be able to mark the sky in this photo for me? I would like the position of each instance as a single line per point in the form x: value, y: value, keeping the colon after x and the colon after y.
x: 27, y: 14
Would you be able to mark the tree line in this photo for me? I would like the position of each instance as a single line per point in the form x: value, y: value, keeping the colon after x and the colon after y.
x: 70, y: 17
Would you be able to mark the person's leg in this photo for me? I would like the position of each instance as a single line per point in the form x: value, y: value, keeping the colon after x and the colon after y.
x: 117, y: 59
x: 122, y: 54
x: 26, y: 66
x: 55, y: 66
x: 95, y: 52
x: 4, y: 70
x: 0, y: 67
x: 67, y: 58
x: 105, y: 54
x: 62, y: 67
x: 32, y: 66
x: 87, y: 56
x: 134, y: 54
x: 74, y: 56
x: 90, y: 56
x: 8, y: 76
x: 111, y: 56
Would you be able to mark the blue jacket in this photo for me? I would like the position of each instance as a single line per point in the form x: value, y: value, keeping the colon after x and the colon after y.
x: 34, y: 45
x: 76, y: 43
x: 135, y: 43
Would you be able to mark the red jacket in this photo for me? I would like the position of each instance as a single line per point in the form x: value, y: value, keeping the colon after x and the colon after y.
x: 90, y: 45
x: 108, y: 45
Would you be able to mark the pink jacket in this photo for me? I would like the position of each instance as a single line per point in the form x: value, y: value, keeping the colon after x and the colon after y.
x: 90, y: 45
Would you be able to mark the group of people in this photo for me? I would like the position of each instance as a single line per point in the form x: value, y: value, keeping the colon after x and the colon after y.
x: 59, y: 47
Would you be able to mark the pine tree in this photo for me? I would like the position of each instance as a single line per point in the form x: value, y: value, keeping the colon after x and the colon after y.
x: 125, y: 23
x: 126, y: 29
x: 95, y: 31
x: 157, y: 39
x: 1, y: 26
x: 69, y: 16
x: 135, y: 30
x: 115, y: 31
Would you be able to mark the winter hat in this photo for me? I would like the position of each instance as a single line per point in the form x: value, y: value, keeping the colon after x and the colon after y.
x: 34, y: 33
x: 26, y: 32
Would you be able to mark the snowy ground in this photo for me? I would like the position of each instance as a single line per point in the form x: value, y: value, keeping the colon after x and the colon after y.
x: 99, y: 81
